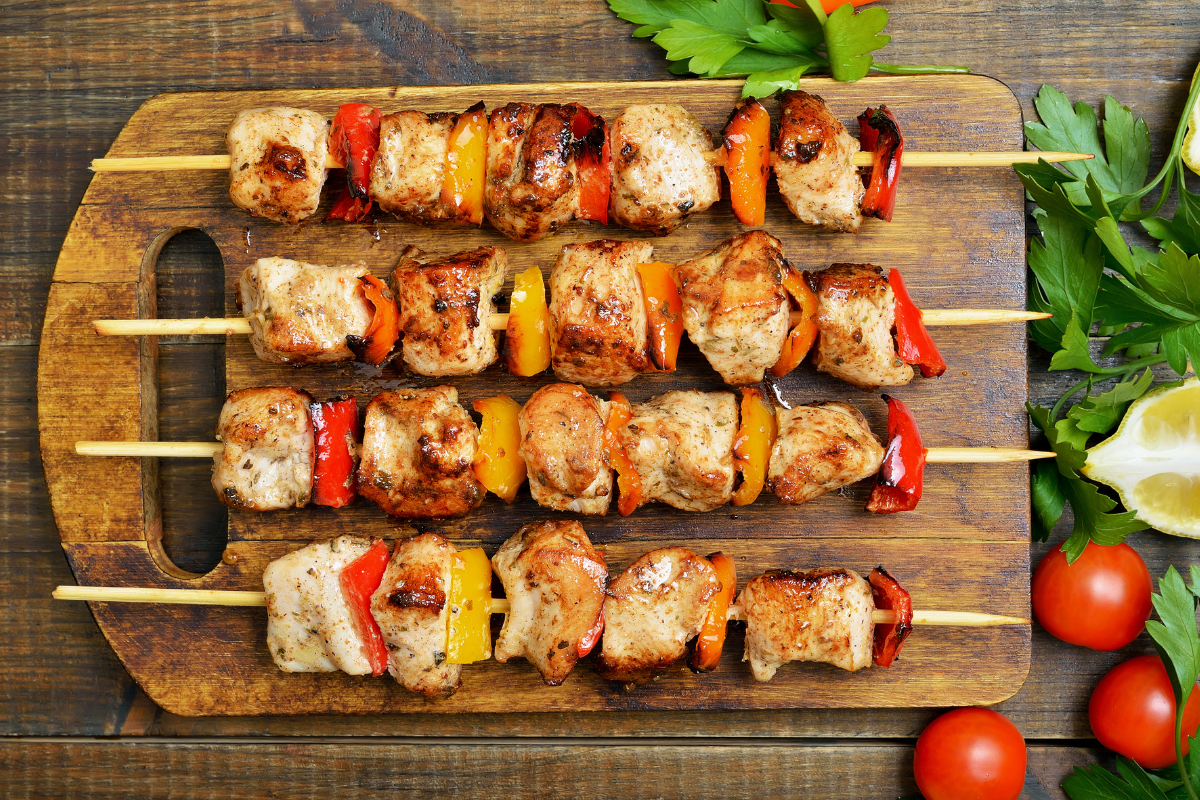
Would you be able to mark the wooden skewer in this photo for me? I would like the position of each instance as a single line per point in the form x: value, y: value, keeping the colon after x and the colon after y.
x: 499, y: 322
x: 500, y: 605
x: 714, y: 157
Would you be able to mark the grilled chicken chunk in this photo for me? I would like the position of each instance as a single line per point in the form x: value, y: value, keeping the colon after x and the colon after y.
x: 531, y: 188
x: 446, y: 307
x: 652, y: 610
x: 554, y: 580
x: 266, y: 463
x: 277, y: 162
x: 819, y: 615
x: 310, y: 625
x: 735, y: 308
x: 562, y: 443
x: 410, y: 167
x: 819, y: 450
x: 411, y: 610
x: 682, y: 446
x: 659, y: 173
x: 417, y: 449
x: 815, y: 167
x: 302, y: 313
x: 856, y: 311
x: 597, y: 312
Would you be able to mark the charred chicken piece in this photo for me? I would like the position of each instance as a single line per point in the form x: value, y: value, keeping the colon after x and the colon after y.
x: 411, y: 610
x: 856, y: 312
x: 277, y: 162
x: 302, y: 313
x: 653, y: 609
x: 815, y: 167
x: 598, y: 313
x: 562, y: 443
x: 531, y: 188
x: 682, y: 446
x: 410, y: 167
x: 819, y: 450
x: 446, y: 307
x: 554, y: 580
x: 735, y: 308
x: 660, y: 175
x: 310, y: 626
x: 818, y: 615
x: 266, y: 463
x: 417, y: 449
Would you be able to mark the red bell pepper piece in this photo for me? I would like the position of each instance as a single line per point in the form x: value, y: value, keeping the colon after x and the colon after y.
x: 880, y: 134
x: 348, y: 208
x: 335, y: 427
x: 901, y: 479
x: 380, y: 339
x: 353, y: 141
x: 359, y: 579
x: 592, y: 637
x: 891, y: 596
x: 913, y: 342
x: 590, y: 134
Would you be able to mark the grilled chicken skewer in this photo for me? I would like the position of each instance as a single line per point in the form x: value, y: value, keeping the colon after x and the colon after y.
x: 424, y: 612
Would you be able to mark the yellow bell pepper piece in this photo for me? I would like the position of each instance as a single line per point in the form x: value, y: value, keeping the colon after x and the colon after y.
x: 470, y: 619
x: 498, y: 465
x: 466, y: 164
x: 527, y: 338
x: 752, y: 445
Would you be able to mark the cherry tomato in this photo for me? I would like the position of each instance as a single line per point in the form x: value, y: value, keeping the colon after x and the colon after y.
x: 1102, y: 601
x: 970, y: 754
x: 1132, y: 711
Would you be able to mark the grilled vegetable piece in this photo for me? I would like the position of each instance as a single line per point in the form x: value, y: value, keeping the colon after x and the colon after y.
x: 277, y: 162
x: 711, y: 639
x: 819, y: 450
x: 735, y: 307
x: 889, y: 594
x: 498, y: 463
x: 470, y: 600
x: 817, y: 615
x: 311, y: 623
x: 417, y: 450
x: 379, y: 342
x: 562, y: 443
x: 554, y: 580
x: 409, y: 170
x: 900, y: 481
x: 629, y: 482
x: 353, y: 141
x: 597, y: 313
x: 880, y: 134
x: 592, y: 163
x: 302, y: 313
x: 660, y: 175
x: 752, y: 445
x: 815, y: 164
x: 531, y: 188
x: 413, y: 615
x: 266, y: 463
x: 466, y: 165
x: 358, y: 580
x: 747, y: 139
x: 681, y: 444
x: 527, y: 335
x: 856, y: 310
x: 664, y: 314
x: 445, y: 309
x: 653, y: 609
x: 335, y: 434
x: 912, y: 339
x: 803, y: 334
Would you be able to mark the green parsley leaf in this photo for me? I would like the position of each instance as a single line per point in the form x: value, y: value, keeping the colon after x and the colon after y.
x: 705, y: 49
x: 731, y: 17
x: 807, y: 22
x: 1165, y: 300
x: 1048, y: 499
x: 1101, y: 413
x: 849, y: 37
x: 1175, y: 637
x: 775, y: 37
x: 1067, y: 263
x: 765, y: 84
x: 1097, y: 783
x: 1074, y: 353
x: 753, y: 60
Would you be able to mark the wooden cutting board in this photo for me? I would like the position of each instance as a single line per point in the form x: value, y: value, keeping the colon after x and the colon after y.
x: 958, y: 237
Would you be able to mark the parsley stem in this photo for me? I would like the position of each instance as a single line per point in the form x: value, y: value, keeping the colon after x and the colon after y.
x: 919, y: 69
x: 1124, y: 370
x: 1171, y: 165
x: 1183, y: 775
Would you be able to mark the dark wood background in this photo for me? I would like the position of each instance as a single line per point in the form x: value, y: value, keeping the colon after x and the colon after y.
x: 74, y: 73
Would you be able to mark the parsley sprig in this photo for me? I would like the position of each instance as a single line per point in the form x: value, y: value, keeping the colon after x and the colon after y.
x: 770, y: 44
x: 1145, y: 302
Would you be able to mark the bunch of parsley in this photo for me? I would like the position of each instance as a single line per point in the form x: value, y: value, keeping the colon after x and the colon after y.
x: 770, y: 44
x: 1145, y: 301
x: 1178, y: 644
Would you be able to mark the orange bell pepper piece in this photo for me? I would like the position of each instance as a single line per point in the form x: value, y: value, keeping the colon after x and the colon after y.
x: 752, y: 445
x: 748, y: 161
x: 376, y: 345
x: 527, y: 337
x: 664, y: 313
x: 801, y: 337
x: 466, y: 164
x: 629, y: 482
x: 498, y: 465
x: 470, y: 601
x: 711, y: 640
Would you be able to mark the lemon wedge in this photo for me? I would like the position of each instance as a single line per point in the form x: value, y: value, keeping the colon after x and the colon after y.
x: 1191, y: 142
x: 1153, y: 460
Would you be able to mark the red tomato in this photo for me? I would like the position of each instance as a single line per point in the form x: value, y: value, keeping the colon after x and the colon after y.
x: 970, y: 754
x: 1132, y: 711
x: 1102, y: 601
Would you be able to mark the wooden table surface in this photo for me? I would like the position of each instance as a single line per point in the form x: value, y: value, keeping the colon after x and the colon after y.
x: 72, y: 719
